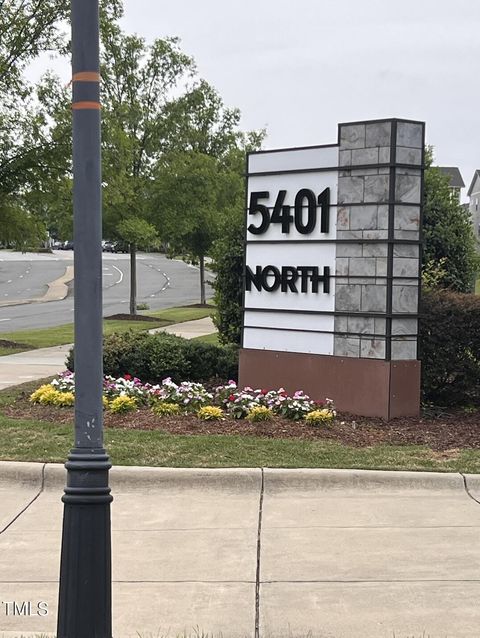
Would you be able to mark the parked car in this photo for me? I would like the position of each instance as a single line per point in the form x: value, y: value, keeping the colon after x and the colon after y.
x: 68, y: 245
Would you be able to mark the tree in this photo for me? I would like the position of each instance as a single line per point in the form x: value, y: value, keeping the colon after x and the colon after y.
x: 138, y: 83
x: 448, y: 238
x: 188, y: 206
x: 35, y: 150
x: 137, y: 232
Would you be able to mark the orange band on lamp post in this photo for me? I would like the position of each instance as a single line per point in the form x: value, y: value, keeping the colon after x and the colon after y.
x: 86, y: 106
x: 86, y: 76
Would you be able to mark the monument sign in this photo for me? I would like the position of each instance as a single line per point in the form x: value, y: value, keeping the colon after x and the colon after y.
x: 332, y: 268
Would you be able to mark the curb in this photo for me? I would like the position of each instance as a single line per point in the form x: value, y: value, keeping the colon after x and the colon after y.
x: 276, y: 481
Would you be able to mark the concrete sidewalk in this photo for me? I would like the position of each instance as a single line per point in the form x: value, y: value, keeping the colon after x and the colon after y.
x: 259, y: 552
x: 45, y: 362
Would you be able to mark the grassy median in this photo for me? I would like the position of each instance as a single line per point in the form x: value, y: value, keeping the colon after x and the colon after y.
x: 60, y: 335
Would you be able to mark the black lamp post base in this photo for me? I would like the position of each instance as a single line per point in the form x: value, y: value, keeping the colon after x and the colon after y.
x: 85, y: 571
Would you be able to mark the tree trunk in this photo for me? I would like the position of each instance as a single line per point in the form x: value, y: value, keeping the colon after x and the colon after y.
x: 133, y: 280
x: 203, y: 300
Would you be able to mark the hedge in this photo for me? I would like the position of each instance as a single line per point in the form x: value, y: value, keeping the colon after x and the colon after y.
x: 152, y: 358
x: 449, y: 344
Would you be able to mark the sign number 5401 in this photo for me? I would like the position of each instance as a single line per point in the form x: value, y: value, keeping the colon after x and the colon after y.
x: 282, y: 213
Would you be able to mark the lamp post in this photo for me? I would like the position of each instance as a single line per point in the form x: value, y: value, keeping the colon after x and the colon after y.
x: 85, y: 572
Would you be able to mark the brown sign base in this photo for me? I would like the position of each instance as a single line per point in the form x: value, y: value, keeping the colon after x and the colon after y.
x: 366, y: 387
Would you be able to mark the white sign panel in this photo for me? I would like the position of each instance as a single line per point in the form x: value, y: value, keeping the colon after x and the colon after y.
x: 291, y: 250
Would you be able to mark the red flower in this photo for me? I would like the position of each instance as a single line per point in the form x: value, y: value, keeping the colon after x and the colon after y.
x: 231, y: 398
x: 264, y: 391
x: 127, y: 377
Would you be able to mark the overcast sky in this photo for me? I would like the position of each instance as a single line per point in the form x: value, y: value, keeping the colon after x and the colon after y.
x: 298, y: 67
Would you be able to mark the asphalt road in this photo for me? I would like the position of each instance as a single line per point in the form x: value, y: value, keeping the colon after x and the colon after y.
x: 161, y: 283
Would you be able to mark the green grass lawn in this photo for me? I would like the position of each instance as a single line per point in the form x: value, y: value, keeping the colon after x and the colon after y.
x: 178, y: 315
x: 59, y: 335
x: 29, y: 440
x: 213, y: 338
x: 22, y: 440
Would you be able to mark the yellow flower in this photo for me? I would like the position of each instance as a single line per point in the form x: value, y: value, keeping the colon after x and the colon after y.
x: 316, y: 417
x: 210, y: 413
x: 43, y: 391
x: 259, y: 413
x: 123, y: 404
x: 163, y: 408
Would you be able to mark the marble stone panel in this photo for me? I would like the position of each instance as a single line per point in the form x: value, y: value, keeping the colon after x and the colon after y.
x: 343, y: 218
x: 363, y: 217
x: 362, y: 267
x: 341, y: 266
x: 404, y: 326
x: 378, y: 134
x: 375, y: 234
x: 346, y: 346
x: 361, y: 172
x: 406, y: 250
x: 384, y: 155
x: 413, y: 235
x: 405, y: 267
x: 376, y: 188
x: 340, y: 324
x: 380, y: 326
x: 372, y: 348
x: 348, y: 297
x: 364, y: 156
x: 409, y: 155
x: 407, y: 189
x: 350, y: 189
x: 349, y: 250
x: 382, y: 217
x: 404, y: 349
x: 352, y: 136
x: 374, y: 298
x: 381, y: 266
x: 345, y: 158
x: 407, y: 218
x: 409, y: 134
x: 375, y: 250
x: 349, y: 234
x: 361, y: 325
x: 405, y: 299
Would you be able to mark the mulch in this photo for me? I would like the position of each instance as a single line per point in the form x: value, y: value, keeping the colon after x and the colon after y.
x: 448, y: 431
x: 125, y: 317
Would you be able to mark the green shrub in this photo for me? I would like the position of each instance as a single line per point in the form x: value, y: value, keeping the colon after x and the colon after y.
x: 208, y: 361
x: 228, y: 256
x: 449, y: 340
x: 152, y: 358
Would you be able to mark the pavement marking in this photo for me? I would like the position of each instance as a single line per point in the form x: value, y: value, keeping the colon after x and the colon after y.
x: 5, y: 319
x: 108, y: 274
x: 9, y: 281
x: 21, y: 276
x: 28, y: 376
x: 121, y: 275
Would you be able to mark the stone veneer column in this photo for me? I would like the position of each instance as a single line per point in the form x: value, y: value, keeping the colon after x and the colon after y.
x: 378, y: 233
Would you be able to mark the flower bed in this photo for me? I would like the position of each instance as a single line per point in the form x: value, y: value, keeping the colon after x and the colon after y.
x: 128, y: 393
